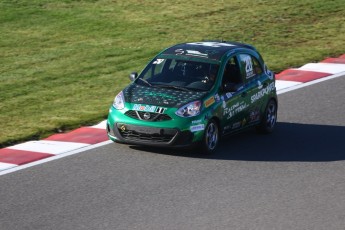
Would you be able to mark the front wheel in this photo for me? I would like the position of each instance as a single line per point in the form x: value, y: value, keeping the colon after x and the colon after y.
x: 211, y: 137
x: 269, y: 119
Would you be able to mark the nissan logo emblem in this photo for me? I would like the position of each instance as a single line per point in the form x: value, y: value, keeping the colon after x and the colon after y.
x: 147, y: 116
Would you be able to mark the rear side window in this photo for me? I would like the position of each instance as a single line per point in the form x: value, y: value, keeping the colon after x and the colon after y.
x: 250, y: 66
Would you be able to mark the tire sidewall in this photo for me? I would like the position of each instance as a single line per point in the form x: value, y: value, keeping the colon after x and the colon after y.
x: 263, y: 127
x: 205, y: 145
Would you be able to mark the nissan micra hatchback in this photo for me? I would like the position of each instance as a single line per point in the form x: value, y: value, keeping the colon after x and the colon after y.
x: 191, y: 94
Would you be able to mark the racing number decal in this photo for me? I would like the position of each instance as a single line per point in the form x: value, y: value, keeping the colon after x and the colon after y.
x: 247, y: 62
x: 249, y: 66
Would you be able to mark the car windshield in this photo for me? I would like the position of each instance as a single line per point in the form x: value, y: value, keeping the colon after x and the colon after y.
x: 178, y: 74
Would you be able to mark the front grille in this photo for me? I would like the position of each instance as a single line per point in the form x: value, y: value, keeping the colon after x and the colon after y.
x: 146, y: 134
x: 139, y: 115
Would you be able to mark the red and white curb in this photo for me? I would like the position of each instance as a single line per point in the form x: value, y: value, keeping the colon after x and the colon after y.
x: 30, y: 153
x: 309, y: 73
x: 77, y: 140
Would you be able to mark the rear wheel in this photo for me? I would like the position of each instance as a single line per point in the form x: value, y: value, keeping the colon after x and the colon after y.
x: 269, y: 119
x: 211, y: 137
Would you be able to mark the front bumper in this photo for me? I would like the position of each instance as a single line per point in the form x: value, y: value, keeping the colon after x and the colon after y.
x: 144, y: 135
x: 123, y: 127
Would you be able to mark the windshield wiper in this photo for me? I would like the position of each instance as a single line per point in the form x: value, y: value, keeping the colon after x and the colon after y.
x: 173, y: 87
x: 146, y: 82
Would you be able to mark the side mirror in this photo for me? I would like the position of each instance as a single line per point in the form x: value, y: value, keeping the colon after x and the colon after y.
x: 133, y: 76
x: 230, y: 87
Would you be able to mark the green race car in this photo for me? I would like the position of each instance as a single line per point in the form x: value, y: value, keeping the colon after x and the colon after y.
x: 194, y: 93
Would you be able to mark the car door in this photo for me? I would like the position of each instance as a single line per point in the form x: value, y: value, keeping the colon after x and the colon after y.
x: 235, y: 100
x: 254, y: 83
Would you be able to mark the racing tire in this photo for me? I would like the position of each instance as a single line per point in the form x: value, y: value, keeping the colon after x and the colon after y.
x: 269, y: 119
x: 211, y: 137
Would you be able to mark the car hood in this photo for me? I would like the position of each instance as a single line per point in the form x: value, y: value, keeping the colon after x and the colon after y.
x: 160, y: 96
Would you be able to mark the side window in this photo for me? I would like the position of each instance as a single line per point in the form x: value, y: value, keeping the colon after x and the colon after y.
x: 257, y: 67
x: 232, y: 73
x: 250, y: 66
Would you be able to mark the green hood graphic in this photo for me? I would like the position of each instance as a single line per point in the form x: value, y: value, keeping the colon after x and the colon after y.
x: 159, y: 96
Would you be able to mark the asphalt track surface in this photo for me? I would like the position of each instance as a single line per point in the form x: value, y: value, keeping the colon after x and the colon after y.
x: 291, y: 179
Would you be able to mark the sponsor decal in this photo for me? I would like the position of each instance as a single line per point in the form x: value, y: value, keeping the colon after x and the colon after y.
x: 234, y: 109
x: 260, y: 85
x: 196, y: 128
x: 209, y: 102
x: 190, y: 53
x: 236, y: 125
x: 148, y: 108
x: 144, y: 108
x: 160, y: 110
x: 179, y: 51
x: 196, y: 53
x: 227, y: 127
x: 262, y: 92
x: 217, y: 97
x: 228, y: 95
x: 239, y: 89
x: 210, y: 44
x: 196, y: 121
x: 254, y: 115
x: 224, y: 105
x: 158, y: 61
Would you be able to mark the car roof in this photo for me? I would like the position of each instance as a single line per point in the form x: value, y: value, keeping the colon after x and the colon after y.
x: 213, y: 50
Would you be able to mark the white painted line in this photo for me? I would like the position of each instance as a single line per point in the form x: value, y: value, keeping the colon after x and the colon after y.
x: 4, y: 166
x: 51, y: 147
x: 102, y: 125
x: 281, y: 84
x: 45, y: 160
x: 331, y: 68
x: 342, y: 74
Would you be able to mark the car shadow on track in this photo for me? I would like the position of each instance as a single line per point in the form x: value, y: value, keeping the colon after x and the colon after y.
x: 289, y: 142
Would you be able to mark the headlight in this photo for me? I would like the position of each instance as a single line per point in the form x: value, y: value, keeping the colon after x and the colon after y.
x: 119, y: 101
x: 189, y: 110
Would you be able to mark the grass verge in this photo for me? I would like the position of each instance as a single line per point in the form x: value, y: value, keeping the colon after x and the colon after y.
x: 62, y: 62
